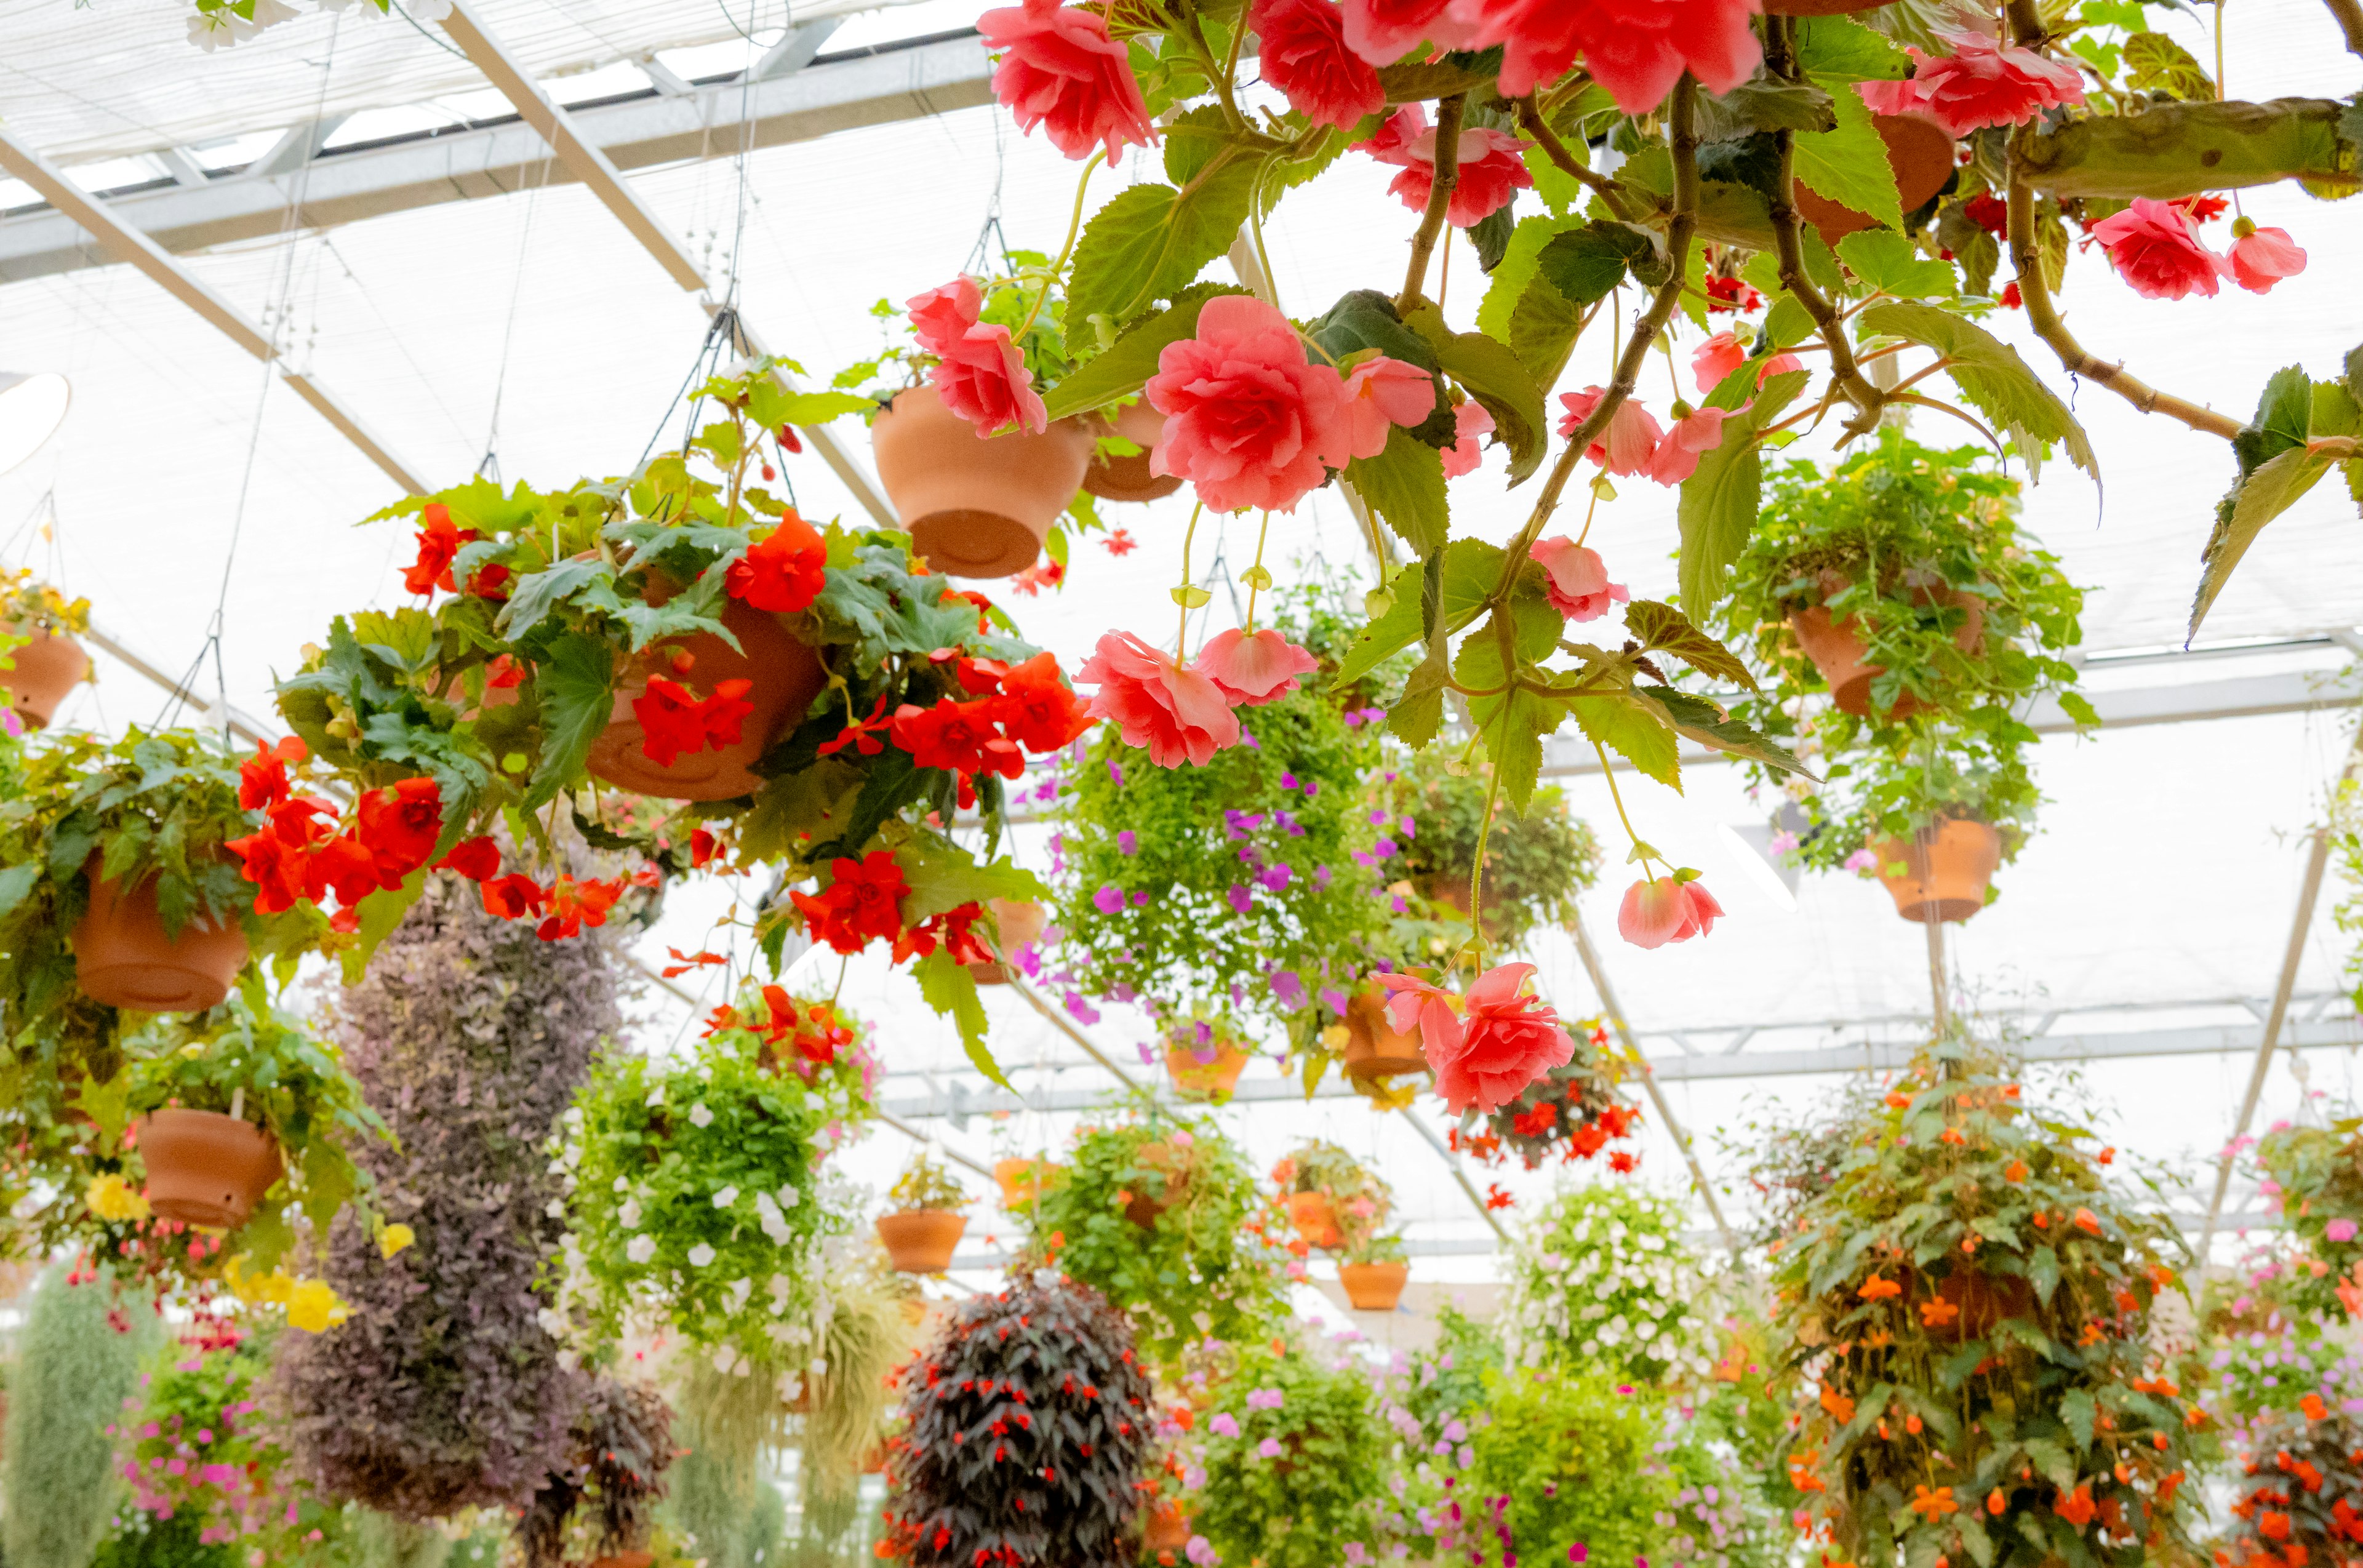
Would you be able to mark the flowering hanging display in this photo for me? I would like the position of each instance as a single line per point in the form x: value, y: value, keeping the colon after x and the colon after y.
x: 1602, y: 1275
x: 2313, y: 1175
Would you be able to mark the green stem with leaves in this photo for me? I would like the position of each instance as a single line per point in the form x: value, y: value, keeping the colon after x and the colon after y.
x: 1074, y: 228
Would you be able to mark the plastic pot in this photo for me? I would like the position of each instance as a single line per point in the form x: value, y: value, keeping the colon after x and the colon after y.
x: 1947, y: 868
x: 205, y: 1168
x: 1374, y: 1047
x: 1315, y: 1220
x: 920, y: 1240
x: 1158, y: 1155
x: 1374, y: 1288
x: 1215, y: 1079
x: 123, y: 957
x: 1918, y: 149
x: 1837, y: 652
x: 975, y: 506
x: 47, y: 668
x: 1128, y: 478
x: 1023, y: 921
x: 1022, y: 1181
x: 787, y: 674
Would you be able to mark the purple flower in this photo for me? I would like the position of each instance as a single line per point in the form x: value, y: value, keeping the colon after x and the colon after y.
x: 1201, y: 1552
x: 1397, y: 904
x: 1320, y: 876
x: 1082, y: 1009
x: 1378, y: 817
x: 1109, y: 899
x: 1264, y: 1399
x: 1249, y: 739
x: 1578, y: 1553
x: 1140, y: 900
x: 1288, y: 989
x: 1224, y: 1425
x: 1241, y: 900
x: 1333, y: 999
x: 1115, y: 773
x: 1288, y: 780
x: 1148, y: 1055
x: 1278, y: 877
x: 1385, y: 848
x: 1127, y: 842
x: 1269, y: 1448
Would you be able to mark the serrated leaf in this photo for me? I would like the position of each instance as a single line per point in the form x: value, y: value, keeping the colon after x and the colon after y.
x: 536, y: 594
x: 2156, y: 64
x: 2284, y: 416
x: 1150, y: 242
x: 1517, y: 272
x: 1849, y: 165
x: 1125, y: 366
x: 1585, y: 264
x: 1845, y: 50
x: 1389, y: 634
x: 1720, y: 500
x: 946, y: 985
x: 1763, y: 104
x: 1891, y: 264
x: 1404, y: 485
x: 1511, y: 722
x: 577, y: 688
x: 1990, y: 374
x: 1663, y: 629
x: 1542, y: 330
x: 1491, y: 373
x: 1697, y: 719
x: 1637, y: 730
x: 2254, y: 501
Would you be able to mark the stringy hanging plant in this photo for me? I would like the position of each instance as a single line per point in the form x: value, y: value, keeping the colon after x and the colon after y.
x: 444, y: 1389
x: 77, y: 1361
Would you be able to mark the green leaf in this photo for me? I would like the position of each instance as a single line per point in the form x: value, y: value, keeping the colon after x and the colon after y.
x: 941, y: 876
x: 1382, y: 639
x: 1991, y: 375
x: 1719, y: 502
x: 1510, y: 279
x: 1512, y: 723
x: 577, y: 688
x: 2254, y: 501
x: 2078, y: 1411
x: 108, y: 1103
x: 2043, y: 1273
x: 1764, y: 104
x: 1892, y: 264
x: 16, y: 882
x: 1585, y: 264
x: 539, y: 593
x: 1151, y: 242
x: 1637, y: 730
x: 1849, y: 165
x: 1697, y: 719
x: 1663, y: 629
x: 1491, y: 373
x: 1125, y: 366
x: 1542, y: 332
x: 1404, y: 485
x: 1846, y: 51
x: 380, y: 912
x: 2284, y: 416
x: 946, y: 986
x: 2156, y: 64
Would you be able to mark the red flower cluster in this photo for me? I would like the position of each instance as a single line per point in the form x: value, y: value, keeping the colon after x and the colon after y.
x: 300, y: 853
x: 784, y: 571
x: 438, y: 543
x: 863, y: 903
x: 673, y: 720
x: 1733, y: 295
x: 1017, y: 709
x: 816, y: 1036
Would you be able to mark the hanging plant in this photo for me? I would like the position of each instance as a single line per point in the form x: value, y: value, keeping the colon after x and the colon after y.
x: 77, y: 1360
x: 1974, y: 1299
x: 923, y: 1221
x: 699, y: 1191
x: 40, y: 663
x: 1602, y: 1275
x: 600, y: 1500
x: 1332, y: 1199
x: 1536, y: 861
x: 2314, y: 1176
x: 684, y: 634
x: 1570, y: 1112
x: 1025, y: 1431
x: 1900, y: 588
x: 1159, y: 1212
x: 2299, y: 1497
x: 872, y: 1326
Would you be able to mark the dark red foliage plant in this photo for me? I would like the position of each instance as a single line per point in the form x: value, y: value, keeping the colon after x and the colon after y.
x: 1026, y: 1436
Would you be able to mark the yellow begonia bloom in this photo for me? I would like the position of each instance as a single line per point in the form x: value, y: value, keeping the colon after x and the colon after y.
x: 393, y: 1238
x: 112, y: 1197
x: 314, y: 1307
x: 257, y: 1290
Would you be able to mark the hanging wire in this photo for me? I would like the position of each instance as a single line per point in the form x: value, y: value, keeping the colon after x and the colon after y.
x: 490, y: 467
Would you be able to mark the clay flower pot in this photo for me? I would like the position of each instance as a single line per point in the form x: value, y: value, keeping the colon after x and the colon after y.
x: 1374, y: 1288
x: 1982, y: 1300
x: 1022, y: 1181
x: 1168, y: 1528
x: 1948, y: 868
x: 1128, y: 478
x: 1837, y: 652
x: 47, y: 668
x: 1215, y: 1079
x: 920, y: 1240
x: 975, y: 506
x: 1374, y: 1047
x: 205, y: 1168
x: 1142, y: 1209
x: 1315, y: 1220
x: 1022, y: 921
x: 123, y: 958
x: 787, y: 674
x: 1917, y: 150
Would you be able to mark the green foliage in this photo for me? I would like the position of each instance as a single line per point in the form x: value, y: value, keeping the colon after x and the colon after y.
x: 1325, y: 1491
x: 1602, y: 1275
x: 1537, y: 862
x: 77, y: 1360
x: 1574, y: 1453
x: 2278, y: 465
x: 2319, y: 1172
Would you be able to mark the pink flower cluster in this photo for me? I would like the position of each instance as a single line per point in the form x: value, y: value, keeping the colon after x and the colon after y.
x: 1981, y: 84
x: 1666, y: 909
x: 1180, y: 711
x: 1060, y: 71
x: 1491, y: 168
x: 1636, y: 49
x: 1634, y: 443
x: 1720, y: 355
x: 980, y: 374
x: 1486, y: 1045
x: 1578, y: 587
x: 2155, y: 247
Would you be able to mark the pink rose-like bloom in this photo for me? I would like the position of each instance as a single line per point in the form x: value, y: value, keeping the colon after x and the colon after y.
x: 1981, y: 84
x: 982, y: 378
x: 1507, y: 1041
x: 1631, y: 439
x: 1380, y: 394
x: 1415, y: 1005
x: 1636, y: 49
x: 1383, y: 31
x: 1172, y: 711
x: 1305, y: 56
x: 1060, y: 71
x: 2339, y: 1230
x: 1580, y: 588
x: 1677, y: 457
x: 1490, y: 170
x: 1469, y: 422
x: 2155, y: 247
x: 1248, y: 419
x: 941, y: 316
x: 2263, y: 257
x: 1252, y: 671
x: 1663, y: 910
x: 1715, y: 359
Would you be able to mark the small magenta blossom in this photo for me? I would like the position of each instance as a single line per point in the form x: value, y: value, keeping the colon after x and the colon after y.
x: 1224, y: 1425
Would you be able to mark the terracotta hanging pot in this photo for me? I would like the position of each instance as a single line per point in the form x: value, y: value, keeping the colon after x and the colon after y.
x: 1837, y: 652
x: 1315, y: 1220
x: 1948, y: 868
x: 205, y: 1168
x: 1919, y: 151
x: 1168, y: 1528
x: 1452, y: 891
x: 1158, y: 1155
x: 1213, y: 1079
x: 1128, y: 478
x: 47, y: 668
x: 123, y: 958
x: 975, y: 506
x: 787, y: 674
x: 1374, y: 1288
x: 1023, y: 921
x: 1022, y: 1181
x: 1981, y: 1301
x: 1374, y: 1047
x: 920, y: 1240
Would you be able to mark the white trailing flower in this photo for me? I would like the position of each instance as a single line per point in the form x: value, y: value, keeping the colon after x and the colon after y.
x: 640, y: 1249
x: 655, y: 1096
x: 630, y: 1214
x: 699, y: 1255
x: 699, y: 1115
x: 774, y: 1223
x: 725, y: 1197
x: 789, y: 1196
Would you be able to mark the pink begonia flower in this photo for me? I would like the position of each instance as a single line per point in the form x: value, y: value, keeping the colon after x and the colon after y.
x: 2155, y: 247
x: 1491, y: 171
x: 2339, y: 1230
x: 1862, y: 863
x: 1715, y: 359
x: 1663, y: 910
x: 1507, y: 1039
x: 1414, y: 1005
x: 940, y: 317
x: 1580, y: 588
x: 1269, y: 1448
x: 1248, y: 419
x: 980, y: 374
x: 1630, y: 440
x: 1305, y: 54
x: 1252, y: 671
x: 1636, y: 49
x: 1173, y: 712
x: 2263, y: 257
x: 1677, y: 456
x: 1224, y: 1425
x: 1383, y: 31
x: 1469, y: 421
x: 1060, y: 71
x: 1381, y: 393
x: 1981, y: 84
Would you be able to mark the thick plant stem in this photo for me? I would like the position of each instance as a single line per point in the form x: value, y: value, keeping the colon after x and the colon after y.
x: 1439, y: 198
x: 2349, y: 16
x: 1608, y: 190
x: 1788, y: 225
x: 1939, y: 983
x: 2026, y: 259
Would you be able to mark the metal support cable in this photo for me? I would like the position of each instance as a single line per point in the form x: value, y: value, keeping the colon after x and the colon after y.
x: 1034, y: 1000
x: 1428, y: 1134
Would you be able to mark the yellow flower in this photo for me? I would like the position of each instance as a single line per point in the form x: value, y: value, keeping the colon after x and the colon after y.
x: 393, y: 1238
x: 256, y: 1290
x: 112, y: 1197
x: 314, y: 1307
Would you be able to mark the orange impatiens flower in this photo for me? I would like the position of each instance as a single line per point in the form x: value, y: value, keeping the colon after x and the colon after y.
x: 1934, y: 1503
x: 1840, y: 1408
x: 1878, y: 1289
x: 1801, y: 1471
x: 2076, y: 1508
x: 2313, y: 1407
x: 1951, y: 1134
x: 1937, y: 1314
x: 1996, y: 1502
x: 2015, y: 1172
x: 2087, y: 1223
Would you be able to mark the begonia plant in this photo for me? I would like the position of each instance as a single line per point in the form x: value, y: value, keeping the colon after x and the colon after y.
x: 2314, y: 1176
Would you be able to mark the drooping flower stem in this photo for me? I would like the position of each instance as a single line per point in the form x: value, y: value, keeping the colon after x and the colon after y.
x: 1448, y: 112
x: 1608, y: 772
x: 1256, y: 576
x: 1074, y: 228
x: 1530, y: 119
x: 1477, y: 861
x: 1182, y: 595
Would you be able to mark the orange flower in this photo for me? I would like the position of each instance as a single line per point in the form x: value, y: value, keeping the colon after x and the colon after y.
x: 1840, y: 1408
x: 2087, y: 1223
x: 1912, y: 1425
x: 1937, y: 1313
x: 1899, y: 1101
x: 2076, y: 1508
x: 1879, y: 1340
x: 1969, y: 1245
x: 1878, y: 1289
x: 2107, y: 1155
x: 1996, y: 1502
x: 1951, y: 1134
x: 1801, y: 1471
x: 2313, y: 1407
x: 2015, y: 1172
x: 2273, y: 1526
x: 2042, y: 1222
x: 1932, y: 1505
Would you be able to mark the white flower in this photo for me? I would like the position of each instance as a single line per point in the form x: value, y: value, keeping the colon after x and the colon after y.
x: 699, y: 1115
x: 724, y: 1357
x: 788, y: 1194
x: 556, y: 1209
x: 630, y: 1214
x: 641, y: 1249
x: 740, y: 1289
x: 699, y: 1255
x: 725, y: 1197
x: 655, y: 1096
x: 774, y: 1224
x: 622, y: 1186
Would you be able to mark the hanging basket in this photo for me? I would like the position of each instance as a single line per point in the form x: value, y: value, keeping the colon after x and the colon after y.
x: 975, y: 506
x: 1918, y: 151
x: 1315, y: 1219
x: 1023, y: 1181
x: 205, y: 1168
x: 1213, y: 1080
x: 1837, y: 651
x: 787, y: 674
x: 1023, y: 921
x: 1128, y: 478
x: 1946, y: 868
x: 920, y: 1240
x: 1374, y: 1047
x: 1158, y: 1155
x: 47, y: 668
x: 1374, y: 1288
x: 124, y: 959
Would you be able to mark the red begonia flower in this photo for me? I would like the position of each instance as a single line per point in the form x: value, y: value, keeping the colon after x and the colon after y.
x: 2263, y: 257
x: 1036, y: 706
x: 439, y: 540
x: 674, y: 721
x: 399, y: 827
x: 1382, y: 394
x: 515, y: 896
x: 1249, y: 419
x: 1471, y: 421
x: 861, y: 903
x: 573, y: 905
x: 2155, y: 247
x: 1305, y: 54
x: 1629, y: 442
x: 784, y: 571
x: 1981, y: 84
x: 476, y: 858
x: 1507, y: 1039
x: 262, y: 778
x: 1383, y: 31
